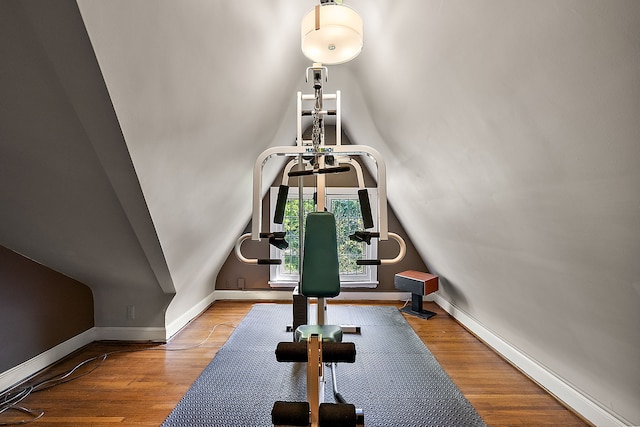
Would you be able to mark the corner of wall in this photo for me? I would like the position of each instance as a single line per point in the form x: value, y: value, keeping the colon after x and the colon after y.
x: 175, y: 326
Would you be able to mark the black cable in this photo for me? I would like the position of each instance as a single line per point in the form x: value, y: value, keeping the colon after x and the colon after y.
x: 31, y: 412
x: 14, y: 395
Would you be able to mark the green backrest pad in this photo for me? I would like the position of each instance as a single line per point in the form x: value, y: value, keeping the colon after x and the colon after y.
x: 320, y: 272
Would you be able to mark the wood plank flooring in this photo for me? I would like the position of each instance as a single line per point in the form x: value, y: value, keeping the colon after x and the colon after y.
x: 501, y: 394
x: 140, y: 388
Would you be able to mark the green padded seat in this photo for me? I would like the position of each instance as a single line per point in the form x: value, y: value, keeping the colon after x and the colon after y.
x: 332, y: 333
x: 320, y: 271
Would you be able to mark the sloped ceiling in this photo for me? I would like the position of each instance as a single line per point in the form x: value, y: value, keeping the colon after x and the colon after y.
x: 200, y: 89
x: 510, y: 131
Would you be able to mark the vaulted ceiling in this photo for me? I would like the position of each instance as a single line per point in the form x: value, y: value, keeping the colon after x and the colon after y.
x: 129, y: 128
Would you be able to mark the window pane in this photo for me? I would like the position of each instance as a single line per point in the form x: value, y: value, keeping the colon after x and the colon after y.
x: 345, y: 206
x: 290, y: 223
x: 348, y: 220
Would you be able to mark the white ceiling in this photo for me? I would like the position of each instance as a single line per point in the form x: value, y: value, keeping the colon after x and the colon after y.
x: 510, y: 131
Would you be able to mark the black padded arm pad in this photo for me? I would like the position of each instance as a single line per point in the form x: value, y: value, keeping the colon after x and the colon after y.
x: 365, y: 208
x: 283, y: 192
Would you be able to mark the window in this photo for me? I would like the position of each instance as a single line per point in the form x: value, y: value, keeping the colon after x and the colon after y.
x: 344, y: 204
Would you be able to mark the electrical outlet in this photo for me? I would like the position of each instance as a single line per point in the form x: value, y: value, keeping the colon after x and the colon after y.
x: 131, y: 312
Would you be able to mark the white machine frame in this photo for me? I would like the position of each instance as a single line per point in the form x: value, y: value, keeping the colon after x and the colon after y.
x: 319, y: 151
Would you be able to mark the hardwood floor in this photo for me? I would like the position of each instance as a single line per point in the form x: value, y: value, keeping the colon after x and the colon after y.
x: 501, y: 394
x: 140, y: 388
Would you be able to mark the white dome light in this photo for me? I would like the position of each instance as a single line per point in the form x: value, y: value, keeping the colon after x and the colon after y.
x: 331, y: 34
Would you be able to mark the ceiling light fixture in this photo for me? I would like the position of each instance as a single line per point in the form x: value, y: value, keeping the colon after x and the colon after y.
x: 331, y: 33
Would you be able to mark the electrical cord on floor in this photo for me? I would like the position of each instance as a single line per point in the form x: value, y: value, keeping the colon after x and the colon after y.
x: 10, y: 399
x: 31, y: 412
x: 405, y: 303
x: 11, y: 403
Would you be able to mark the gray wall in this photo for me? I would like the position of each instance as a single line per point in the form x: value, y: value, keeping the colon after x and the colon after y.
x: 516, y: 166
x: 509, y: 129
x: 69, y: 195
x: 39, y: 308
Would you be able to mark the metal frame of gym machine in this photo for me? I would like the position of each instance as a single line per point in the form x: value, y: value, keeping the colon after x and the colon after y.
x: 304, y: 148
x: 315, y: 154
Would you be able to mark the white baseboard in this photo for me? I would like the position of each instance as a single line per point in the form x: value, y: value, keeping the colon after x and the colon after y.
x: 41, y: 361
x: 561, y: 389
x: 26, y: 369
x: 268, y: 295
x: 134, y: 333
x: 255, y: 295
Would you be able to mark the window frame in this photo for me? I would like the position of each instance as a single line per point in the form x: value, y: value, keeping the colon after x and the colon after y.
x: 369, y: 279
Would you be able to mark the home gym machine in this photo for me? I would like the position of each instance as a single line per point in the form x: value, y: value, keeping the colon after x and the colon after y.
x: 316, y: 343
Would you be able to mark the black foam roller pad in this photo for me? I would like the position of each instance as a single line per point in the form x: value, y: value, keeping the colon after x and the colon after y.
x: 368, y: 262
x: 269, y: 261
x: 283, y: 192
x: 290, y: 413
x: 291, y: 352
x: 300, y: 173
x: 365, y: 208
x: 332, y: 352
x: 337, y: 415
x: 336, y: 169
x: 338, y: 352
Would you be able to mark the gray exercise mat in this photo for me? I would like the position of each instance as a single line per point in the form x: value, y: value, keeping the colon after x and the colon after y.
x: 395, y: 379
